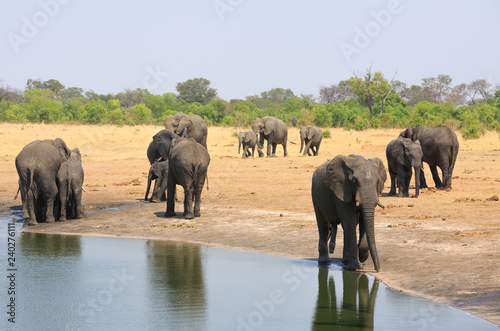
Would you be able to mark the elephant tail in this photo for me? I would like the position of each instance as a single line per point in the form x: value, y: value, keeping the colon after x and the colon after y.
x: 291, y: 142
x: 18, y: 189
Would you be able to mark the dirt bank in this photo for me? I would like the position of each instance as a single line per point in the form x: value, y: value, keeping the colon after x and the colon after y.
x: 441, y: 245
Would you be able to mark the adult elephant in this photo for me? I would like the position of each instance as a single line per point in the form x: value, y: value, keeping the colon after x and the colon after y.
x: 159, y: 148
x: 248, y: 140
x: 37, y: 165
x: 70, y: 186
x: 274, y: 131
x: 345, y: 190
x: 194, y: 125
x: 439, y: 148
x: 188, y: 165
x: 311, y: 136
x: 403, y: 155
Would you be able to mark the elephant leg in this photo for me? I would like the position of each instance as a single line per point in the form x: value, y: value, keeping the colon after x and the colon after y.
x: 401, y: 181
x: 77, y: 197
x: 308, y: 147
x: 156, y: 190
x: 363, y: 248
x: 149, y: 185
x: 253, y: 151
x: 63, y: 198
x: 435, y: 176
x: 316, y: 153
x: 324, y: 231
x: 285, y: 152
x: 406, y: 191
x: 197, y: 194
x: 393, y: 176
x: 171, y: 187
x: 30, y: 209
x: 348, y: 218
x: 162, y: 188
x: 333, y: 237
x: 423, y: 183
x: 188, y: 200
x: 446, y: 175
x: 270, y: 145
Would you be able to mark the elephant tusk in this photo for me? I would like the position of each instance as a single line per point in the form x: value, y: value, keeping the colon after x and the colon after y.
x: 83, y: 189
x: 380, y: 205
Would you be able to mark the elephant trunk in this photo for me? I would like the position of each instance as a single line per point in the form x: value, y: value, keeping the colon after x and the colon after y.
x: 369, y: 219
x: 301, y: 144
x: 239, y: 146
x: 417, y: 180
x: 260, y: 142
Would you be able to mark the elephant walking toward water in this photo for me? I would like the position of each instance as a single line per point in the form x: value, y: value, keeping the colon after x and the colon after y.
x: 188, y: 165
x: 311, y: 136
x: 37, y: 165
x: 248, y: 140
x: 439, y: 148
x: 70, y: 185
x: 345, y: 190
x: 274, y: 131
x: 403, y: 155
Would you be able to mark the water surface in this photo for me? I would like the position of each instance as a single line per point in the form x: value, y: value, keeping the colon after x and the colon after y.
x: 93, y: 283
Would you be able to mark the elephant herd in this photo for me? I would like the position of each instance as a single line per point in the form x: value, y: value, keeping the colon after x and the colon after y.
x: 345, y: 190
x: 354, y: 185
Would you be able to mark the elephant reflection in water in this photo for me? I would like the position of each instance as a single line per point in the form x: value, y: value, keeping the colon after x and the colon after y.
x: 176, y: 277
x: 358, y: 302
x: 50, y: 245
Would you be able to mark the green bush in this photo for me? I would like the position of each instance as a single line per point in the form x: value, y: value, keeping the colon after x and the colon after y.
x: 327, y: 134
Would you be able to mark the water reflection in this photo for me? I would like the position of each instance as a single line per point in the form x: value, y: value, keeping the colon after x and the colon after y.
x: 175, y: 275
x: 356, y: 310
x: 50, y: 245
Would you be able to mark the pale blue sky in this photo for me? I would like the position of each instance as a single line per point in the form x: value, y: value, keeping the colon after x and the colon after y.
x: 245, y: 47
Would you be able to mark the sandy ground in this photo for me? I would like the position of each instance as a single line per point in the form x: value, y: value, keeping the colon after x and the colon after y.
x: 441, y: 245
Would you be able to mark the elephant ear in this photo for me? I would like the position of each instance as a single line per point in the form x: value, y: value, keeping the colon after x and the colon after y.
x: 76, y: 155
x: 338, y: 178
x: 162, y: 142
x: 64, y: 151
x: 184, y: 123
x: 248, y: 136
x: 382, y: 174
x: 270, y: 125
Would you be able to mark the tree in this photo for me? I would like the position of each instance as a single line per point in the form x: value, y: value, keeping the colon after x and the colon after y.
x: 371, y: 88
x: 196, y: 90
x: 438, y: 87
x: 481, y: 87
x: 341, y: 92
x: 274, y: 98
x: 52, y: 84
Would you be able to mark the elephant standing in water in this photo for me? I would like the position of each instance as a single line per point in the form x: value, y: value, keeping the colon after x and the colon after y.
x: 249, y: 140
x: 37, y: 165
x: 274, y: 131
x: 188, y: 165
x: 70, y: 185
x: 194, y: 125
x: 403, y: 155
x: 311, y: 136
x: 346, y: 190
x: 439, y: 148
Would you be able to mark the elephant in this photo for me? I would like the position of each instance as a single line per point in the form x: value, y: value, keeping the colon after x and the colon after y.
x: 37, y: 165
x: 311, y: 136
x: 159, y: 173
x: 194, y: 124
x: 70, y: 186
x: 439, y: 148
x: 188, y: 165
x: 346, y: 190
x: 402, y: 155
x: 274, y: 131
x: 249, y: 140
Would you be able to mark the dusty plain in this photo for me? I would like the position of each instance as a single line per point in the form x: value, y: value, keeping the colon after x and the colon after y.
x: 443, y: 245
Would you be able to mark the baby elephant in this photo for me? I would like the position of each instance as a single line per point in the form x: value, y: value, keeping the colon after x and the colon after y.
x: 249, y: 140
x: 188, y: 165
x: 159, y: 173
x: 70, y: 186
x: 402, y: 155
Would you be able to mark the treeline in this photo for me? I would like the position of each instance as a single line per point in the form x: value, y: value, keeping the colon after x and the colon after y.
x: 359, y: 103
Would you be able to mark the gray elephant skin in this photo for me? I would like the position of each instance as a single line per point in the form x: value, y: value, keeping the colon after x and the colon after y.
x: 159, y: 173
x: 403, y: 155
x: 274, y: 131
x: 70, y: 185
x: 188, y: 165
x: 37, y: 165
x: 311, y: 136
x: 439, y: 148
x: 248, y: 140
x: 345, y: 190
x: 194, y: 125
